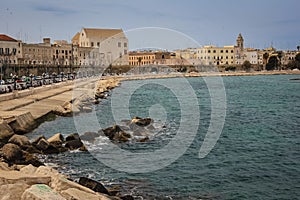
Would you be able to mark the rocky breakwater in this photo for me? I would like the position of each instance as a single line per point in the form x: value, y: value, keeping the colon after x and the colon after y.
x: 83, y: 100
x: 24, y: 177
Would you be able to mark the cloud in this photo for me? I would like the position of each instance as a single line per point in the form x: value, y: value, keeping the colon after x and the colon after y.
x: 53, y: 9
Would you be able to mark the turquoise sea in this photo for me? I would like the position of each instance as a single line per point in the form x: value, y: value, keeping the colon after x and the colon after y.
x: 256, y: 157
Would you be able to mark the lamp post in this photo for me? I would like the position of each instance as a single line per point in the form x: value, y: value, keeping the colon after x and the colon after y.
x: 31, y: 76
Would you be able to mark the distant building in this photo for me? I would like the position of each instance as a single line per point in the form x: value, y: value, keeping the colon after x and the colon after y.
x: 211, y: 55
x: 138, y: 58
x: 10, y: 50
x: 109, y: 46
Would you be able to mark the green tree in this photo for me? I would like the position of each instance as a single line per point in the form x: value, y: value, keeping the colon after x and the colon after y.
x: 246, y: 65
x: 279, y: 56
x: 272, y: 63
x: 293, y: 64
x: 297, y: 57
x: 265, y: 59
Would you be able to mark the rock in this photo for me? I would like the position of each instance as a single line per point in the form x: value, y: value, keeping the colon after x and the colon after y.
x: 56, y: 140
x: 28, y: 169
x: 41, y: 192
x: 115, y: 133
x: 12, y: 191
x: 59, y: 110
x: 86, y: 109
x: 75, y: 109
x: 73, y: 136
x: 42, y: 144
x: 73, y: 144
x: 93, y: 185
x: 83, y: 148
x: 145, y: 139
x: 76, y: 194
x: 20, y: 140
x: 36, y: 141
x: 33, y: 149
x: 121, y: 137
x: 4, y: 166
x: 6, y: 132
x: 60, y: 183
x: 141, y: 121
x: 30, y: 159
x: 12, y: 177
x: 12, y: 152
x: 127, y: 197
x: 23, y: 123
x: 89, y: 136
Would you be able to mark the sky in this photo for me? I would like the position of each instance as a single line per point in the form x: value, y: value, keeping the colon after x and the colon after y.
x: 208, y: 22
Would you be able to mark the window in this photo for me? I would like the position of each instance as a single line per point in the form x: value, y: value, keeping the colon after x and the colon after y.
x: 221, y: 51
x: 92, y: 44
x: 214, y: 51
x: 226, y: 51
x: 98, y: 44
x: 62, y: 51
x: 125, y: 52
x: 208, y: 51
x: 14, y: 51
x: 119, y: 44
x: 1, y: 51
x: 231, y: 51
x: 125, y: 44
x: 7, y: 51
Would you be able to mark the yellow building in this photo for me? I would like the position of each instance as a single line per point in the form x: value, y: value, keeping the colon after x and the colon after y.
x: 211, y: 55
x: 137, y: 58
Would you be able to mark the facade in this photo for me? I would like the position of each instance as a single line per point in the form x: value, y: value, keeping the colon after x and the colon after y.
x: 211, y: 55
x: 10, y: 50
x: 37, y: 54
x: 138, y: 58
x: 108, y: 46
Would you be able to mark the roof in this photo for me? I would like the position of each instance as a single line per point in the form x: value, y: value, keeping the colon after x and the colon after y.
x: 76, y: 37
x: 103, y: 33
x: 4, y: 37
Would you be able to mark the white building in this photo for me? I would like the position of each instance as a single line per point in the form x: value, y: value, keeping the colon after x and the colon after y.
x: 109, y: 46
x: 10, y: 50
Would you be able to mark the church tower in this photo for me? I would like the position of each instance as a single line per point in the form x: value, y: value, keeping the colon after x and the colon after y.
x: 240, y: 42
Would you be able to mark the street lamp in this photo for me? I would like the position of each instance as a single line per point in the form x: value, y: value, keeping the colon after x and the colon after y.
x: 31, y: 76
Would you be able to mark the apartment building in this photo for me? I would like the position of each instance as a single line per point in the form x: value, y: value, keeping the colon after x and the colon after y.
x: 10, y: 50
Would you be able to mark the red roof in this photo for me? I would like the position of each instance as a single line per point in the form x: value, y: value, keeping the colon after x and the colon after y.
x: 7, y: 38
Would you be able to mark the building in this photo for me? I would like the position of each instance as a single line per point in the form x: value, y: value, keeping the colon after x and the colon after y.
x: 10, y: 50
x: 211, y: 55
x: 108, y: 46
x: 138, y: 58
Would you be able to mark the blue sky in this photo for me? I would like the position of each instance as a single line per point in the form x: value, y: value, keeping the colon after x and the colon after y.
x: 215, y: 22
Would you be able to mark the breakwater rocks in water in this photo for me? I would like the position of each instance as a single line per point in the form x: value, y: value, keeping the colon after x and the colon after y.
x: 83, y: 100
x: 23, y: 176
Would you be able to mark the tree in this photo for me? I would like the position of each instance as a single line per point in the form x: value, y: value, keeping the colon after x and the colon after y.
x: 297, y: 57
x: 293, y: 64
x: 265, y: 59
x: 272, y: 63
x: 246, y: 65
x: 298, y: 47
x: 279, y: 55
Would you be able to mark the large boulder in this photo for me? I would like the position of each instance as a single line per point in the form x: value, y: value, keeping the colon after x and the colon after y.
x: 73, y: 136
x: 12, y: 191
x: 61, y: 111
x: 5, y: 132
x: 12, y: 152
x: 12, y: 177
x: 23, y: 123
x: 45, y: 147
x: 74, y: 193
x: 20, y: 140
x: 93, y: 185
x: 30, y: 159
x: 73, y: 144
x: 115, y: 133
x: 56, y: 140
x: 89, y: 136
x: 42, y: 144
x: 41, y: 192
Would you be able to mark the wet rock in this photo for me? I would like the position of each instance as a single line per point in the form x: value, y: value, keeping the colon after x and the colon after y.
x: 73, y: 144
x: 20, y: 140
x: 115, y: 133
x: 145, y: 139
x: 29, y: 159
x: 141, y: 121
x: 59, y: 110
x: 41, y: 192
x: 12, y: 152
x: 93, y: 185
x: 127, y: 197
x: 36, y: 141
x: 121, y: 137
x: 89, y: 136
x: 86, y: 109
x: 73, y: 136
x: 42, y: 144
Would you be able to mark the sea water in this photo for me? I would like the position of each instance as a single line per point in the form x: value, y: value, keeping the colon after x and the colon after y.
x: 256, y: 157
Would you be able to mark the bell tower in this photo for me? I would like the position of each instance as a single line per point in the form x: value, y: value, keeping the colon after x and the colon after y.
x: 240, y: 42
